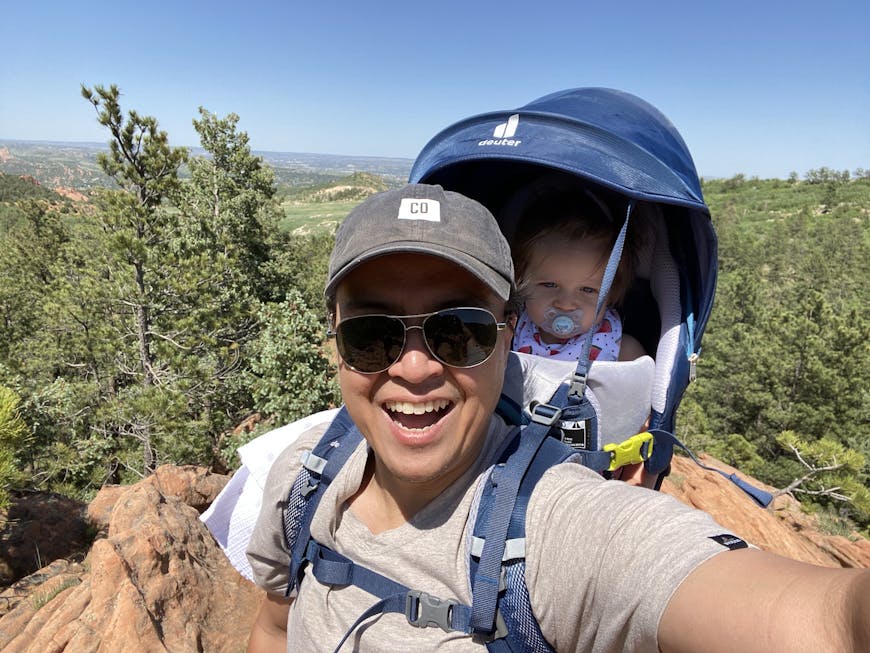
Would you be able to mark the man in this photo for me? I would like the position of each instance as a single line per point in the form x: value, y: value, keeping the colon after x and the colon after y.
x: 609, y: 567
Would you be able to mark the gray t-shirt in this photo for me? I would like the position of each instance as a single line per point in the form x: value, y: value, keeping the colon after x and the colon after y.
x: 602, y: 558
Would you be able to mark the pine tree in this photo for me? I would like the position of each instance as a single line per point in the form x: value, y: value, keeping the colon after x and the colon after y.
x: 145, y: 168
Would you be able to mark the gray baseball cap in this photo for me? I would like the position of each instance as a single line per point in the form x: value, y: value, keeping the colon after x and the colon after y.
x: 424, y: 219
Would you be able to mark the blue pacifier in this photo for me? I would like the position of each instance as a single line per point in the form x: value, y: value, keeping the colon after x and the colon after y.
x: 563, y: 324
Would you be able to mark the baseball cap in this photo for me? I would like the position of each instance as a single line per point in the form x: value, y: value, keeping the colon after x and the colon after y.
x: 424, y: 219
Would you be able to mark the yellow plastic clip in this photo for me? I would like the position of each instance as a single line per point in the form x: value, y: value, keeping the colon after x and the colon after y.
x: 636, y: 449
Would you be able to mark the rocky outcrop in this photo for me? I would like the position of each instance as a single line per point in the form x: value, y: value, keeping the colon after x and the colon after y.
x: 71, y: 193
x: 783, y: 528
x: 156, y: 581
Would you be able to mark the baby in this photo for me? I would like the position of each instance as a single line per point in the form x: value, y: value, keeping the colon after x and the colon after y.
x: 560, y: 251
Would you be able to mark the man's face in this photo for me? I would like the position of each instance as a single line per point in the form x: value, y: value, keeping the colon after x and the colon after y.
x: 425, y: 421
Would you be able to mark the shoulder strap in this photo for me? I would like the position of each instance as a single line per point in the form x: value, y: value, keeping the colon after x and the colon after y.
x: 501, y: 613
x: 319, y: 467
x: 583, y: 362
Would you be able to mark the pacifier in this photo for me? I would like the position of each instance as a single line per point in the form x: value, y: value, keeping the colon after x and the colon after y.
x: 563, y: 324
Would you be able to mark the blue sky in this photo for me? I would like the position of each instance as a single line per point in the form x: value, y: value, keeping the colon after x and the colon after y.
x: 760, y: 87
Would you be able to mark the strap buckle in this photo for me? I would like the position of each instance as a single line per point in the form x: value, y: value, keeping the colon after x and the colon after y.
x: 546, y: 414
x: 636, y: 449
x: 578, y: 384
x: 314, y: 464
x: 693, y: 367
x: 423, y: 610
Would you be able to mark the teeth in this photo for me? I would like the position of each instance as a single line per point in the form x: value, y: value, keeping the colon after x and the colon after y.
x: 408, y: 408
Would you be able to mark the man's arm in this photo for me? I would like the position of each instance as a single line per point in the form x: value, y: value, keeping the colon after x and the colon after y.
x: 750, y: 600
x: 269, y: 632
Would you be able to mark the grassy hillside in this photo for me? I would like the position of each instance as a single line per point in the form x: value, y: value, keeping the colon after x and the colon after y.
x: 753, y: 202
x: 322, y: 206
x: 14, y: 190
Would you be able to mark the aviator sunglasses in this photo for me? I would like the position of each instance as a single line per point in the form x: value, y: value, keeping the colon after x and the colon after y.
x: 458, y: 337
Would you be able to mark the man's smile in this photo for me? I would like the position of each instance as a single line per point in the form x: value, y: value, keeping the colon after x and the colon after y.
x: 416, y: 415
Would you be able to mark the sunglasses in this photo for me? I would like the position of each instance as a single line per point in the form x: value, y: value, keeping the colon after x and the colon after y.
x: 458, y: 337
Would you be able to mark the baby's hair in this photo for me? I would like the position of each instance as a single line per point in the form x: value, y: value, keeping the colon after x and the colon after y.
x: 573, y: 215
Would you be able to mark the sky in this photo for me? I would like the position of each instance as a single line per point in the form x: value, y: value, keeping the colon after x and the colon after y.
x: 756, y: 87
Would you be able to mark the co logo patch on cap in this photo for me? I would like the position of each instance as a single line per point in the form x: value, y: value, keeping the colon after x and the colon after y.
x: 420, y: 209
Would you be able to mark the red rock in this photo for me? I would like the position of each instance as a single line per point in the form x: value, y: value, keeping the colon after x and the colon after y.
x: 195, y: 486
x: 157, y: 582
x: 784, y: 529
x: 99, y: 510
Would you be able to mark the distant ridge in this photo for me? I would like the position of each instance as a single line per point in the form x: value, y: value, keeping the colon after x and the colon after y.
x: 379, y: 165
x: 91, y: 145
x: 73, y: 164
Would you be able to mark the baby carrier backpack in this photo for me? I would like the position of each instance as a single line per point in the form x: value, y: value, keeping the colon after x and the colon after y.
x: 620, y: 145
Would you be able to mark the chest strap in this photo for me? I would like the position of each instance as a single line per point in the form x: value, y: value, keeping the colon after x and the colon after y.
x: 422, y: 610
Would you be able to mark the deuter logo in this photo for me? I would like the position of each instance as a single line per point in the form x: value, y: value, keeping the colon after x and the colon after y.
x: 503, y: 134
x: 507, y: 129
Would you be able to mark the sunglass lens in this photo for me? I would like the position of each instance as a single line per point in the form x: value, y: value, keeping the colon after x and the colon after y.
x: 461, y: 337
x: 370, y: 343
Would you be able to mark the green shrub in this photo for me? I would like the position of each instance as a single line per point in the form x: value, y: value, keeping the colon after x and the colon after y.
x: 14, y: 436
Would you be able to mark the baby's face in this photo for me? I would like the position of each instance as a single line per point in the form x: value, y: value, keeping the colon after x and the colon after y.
x: 565, y: 276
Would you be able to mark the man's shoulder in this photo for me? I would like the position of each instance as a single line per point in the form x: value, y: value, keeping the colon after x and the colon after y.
x: 288, y: 462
